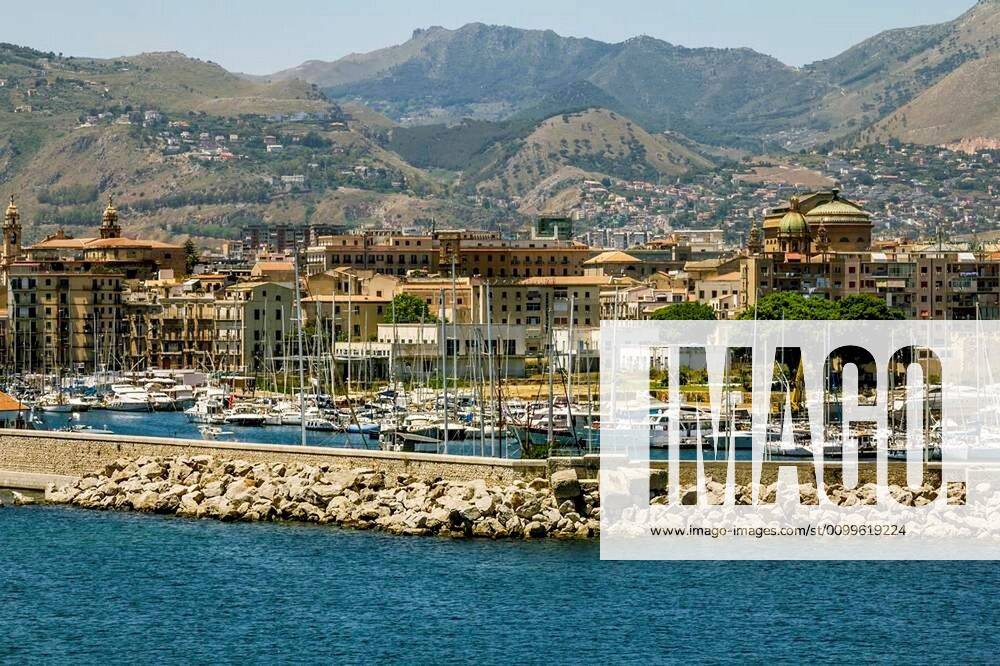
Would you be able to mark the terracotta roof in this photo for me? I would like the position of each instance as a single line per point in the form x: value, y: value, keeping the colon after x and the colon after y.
x: 61, y: 243
x: 262, y: 266
x: 9, y: 404
x: 613, y: 257
x: 129, y: 242
x: 571, y: 280
x: 725, y: 277
x: 245, y: 286
x: 344, y: 298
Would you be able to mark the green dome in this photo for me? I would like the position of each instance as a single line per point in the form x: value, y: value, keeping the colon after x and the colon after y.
x: 792, y: 223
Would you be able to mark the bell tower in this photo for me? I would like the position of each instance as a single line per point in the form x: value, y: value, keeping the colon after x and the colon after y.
x: 11, y: 236
x: 109, y: 222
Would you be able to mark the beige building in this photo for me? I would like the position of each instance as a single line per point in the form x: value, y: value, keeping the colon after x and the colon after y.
x: 254, y: 323
x: 136, y: 259
x: 63, y: 321
x: 171, y: 323
x: 351, y: 317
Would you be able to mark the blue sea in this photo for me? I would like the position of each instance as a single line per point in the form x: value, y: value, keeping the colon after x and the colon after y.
x: 87, y: 587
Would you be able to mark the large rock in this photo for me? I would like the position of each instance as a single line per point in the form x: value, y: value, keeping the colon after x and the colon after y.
x: 240, y: 490
x: 145, y: 501
x: 153, y: 470
x: 565, y: 484
x: 214, y: 488
x: 534, y: 530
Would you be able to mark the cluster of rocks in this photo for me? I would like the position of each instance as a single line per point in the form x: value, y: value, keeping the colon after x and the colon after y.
x: 562, y: 506
x: 18, y: 499
x: 864, y: 494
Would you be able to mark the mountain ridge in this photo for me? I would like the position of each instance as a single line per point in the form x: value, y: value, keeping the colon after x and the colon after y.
x: 726, y: 96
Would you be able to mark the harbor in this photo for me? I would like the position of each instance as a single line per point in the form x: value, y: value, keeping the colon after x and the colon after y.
x: 420, y: 419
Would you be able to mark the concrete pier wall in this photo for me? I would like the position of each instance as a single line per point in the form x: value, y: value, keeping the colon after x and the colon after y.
x: 73, y: 455
x: 29, y: 458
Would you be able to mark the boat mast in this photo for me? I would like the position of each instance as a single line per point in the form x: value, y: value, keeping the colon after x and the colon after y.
x: 350, y: 334
x: 550, y: 435
x: 489, y: 359
x: 298, y: 321
x: 444, y: 368
x: 454, y: 324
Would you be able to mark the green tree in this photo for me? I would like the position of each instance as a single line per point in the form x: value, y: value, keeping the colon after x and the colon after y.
x: 685, y: 311
x: 408, y: 309
x: 190, y: 255
x: 866, y: 306
x: 789, y: 305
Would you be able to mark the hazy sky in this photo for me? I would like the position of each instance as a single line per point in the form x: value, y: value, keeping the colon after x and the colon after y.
x: 261, y: 36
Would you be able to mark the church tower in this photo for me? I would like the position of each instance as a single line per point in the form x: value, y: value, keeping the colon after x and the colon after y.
x: 754, y: 244
x: 109, y: 223
x: 11, y: 236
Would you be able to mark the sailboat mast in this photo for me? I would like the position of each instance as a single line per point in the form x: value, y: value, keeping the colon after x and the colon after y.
x: 489, y: 357
x: 444, y: 368
x: 298, y: 322
x: 550, y: 435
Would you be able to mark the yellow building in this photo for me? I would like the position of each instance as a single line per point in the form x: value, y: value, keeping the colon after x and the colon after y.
x: 351, y: 317
x: 254, y: 322
x: 63, y: 321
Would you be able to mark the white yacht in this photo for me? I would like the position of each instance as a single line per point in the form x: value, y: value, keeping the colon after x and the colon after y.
x: 128, y: 398
x: 245, y: 414
x: 207, y: 409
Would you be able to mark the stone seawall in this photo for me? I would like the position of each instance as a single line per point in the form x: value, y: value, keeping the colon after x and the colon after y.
x: 29, y: 454
x: 74, y: 455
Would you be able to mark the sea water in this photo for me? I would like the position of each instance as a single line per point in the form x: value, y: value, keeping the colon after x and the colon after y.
x: 87, y: 586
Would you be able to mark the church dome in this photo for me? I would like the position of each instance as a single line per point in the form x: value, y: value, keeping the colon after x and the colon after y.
x: 792, y: 223
x: 838, y: 210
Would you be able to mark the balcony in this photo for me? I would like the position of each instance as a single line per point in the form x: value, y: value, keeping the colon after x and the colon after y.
x: 964, y: 285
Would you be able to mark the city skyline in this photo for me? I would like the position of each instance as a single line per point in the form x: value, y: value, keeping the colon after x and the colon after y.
x: 262, y: 38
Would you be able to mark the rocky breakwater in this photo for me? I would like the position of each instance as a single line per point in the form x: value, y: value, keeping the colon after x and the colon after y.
x: 203, y: 487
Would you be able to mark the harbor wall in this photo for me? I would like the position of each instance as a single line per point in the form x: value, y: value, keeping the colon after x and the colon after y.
x: 73, y: 455
x: 29, y: 458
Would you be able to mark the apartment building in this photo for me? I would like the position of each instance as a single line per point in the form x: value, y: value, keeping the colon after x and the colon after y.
x: 61, y: 320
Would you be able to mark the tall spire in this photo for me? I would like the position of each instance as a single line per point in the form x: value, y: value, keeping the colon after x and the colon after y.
x: 109, y: 222
x: 753, y: 239
x: 11, y: 242
x: 11, y: 216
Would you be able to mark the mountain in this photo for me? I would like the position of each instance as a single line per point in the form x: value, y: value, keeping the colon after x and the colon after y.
x: 877, y: 77
x: 736, y: 97
x: 564, y: 149
x: 962, y: 105
x: 495, y: 72
x: 180, y: 143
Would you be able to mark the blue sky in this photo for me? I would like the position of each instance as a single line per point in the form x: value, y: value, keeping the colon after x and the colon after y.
x: 261, y: 36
